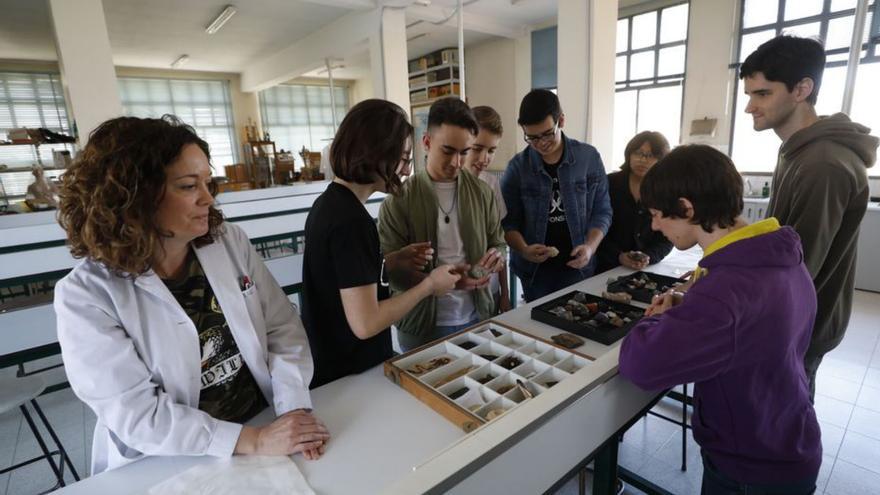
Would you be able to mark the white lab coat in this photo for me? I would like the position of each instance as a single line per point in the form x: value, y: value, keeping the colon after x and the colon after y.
x: 132, y: 354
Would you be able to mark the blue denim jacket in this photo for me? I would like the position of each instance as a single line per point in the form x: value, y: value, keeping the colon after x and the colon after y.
x: 527, y: 187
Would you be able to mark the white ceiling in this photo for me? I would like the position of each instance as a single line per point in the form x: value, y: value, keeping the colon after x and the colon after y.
x: 154, y: 33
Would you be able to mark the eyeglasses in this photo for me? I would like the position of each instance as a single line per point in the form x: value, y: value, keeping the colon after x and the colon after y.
x: 643, y: 156
x: 544, y: 137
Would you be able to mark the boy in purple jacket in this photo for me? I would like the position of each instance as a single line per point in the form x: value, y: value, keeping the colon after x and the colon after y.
x: 739, y: 333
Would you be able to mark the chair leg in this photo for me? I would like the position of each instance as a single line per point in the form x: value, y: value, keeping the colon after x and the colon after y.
x: 59, y: 473
x: 64, y: 456
x: 684, y: 429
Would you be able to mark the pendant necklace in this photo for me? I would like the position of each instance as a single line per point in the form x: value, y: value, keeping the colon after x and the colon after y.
x: 451, y: 209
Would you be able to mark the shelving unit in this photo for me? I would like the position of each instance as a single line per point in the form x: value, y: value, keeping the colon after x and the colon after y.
x: 434, y: 76
x: 428, y: 85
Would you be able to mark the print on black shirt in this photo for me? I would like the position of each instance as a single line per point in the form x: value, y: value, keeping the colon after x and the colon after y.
x: 557, y: 235
x: 229, y: 391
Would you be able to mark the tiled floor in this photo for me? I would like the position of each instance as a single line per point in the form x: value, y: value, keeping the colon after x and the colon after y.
x: 847, y: 403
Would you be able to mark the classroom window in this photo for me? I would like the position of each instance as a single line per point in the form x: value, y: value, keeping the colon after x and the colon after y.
x: 832, y: 22
x: 203, y: 104
x: 301, y: 115
x: 32, y: 100
x: 649, y: 74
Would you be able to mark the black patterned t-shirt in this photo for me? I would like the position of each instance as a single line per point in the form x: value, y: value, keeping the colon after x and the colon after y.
x: 229, y: 391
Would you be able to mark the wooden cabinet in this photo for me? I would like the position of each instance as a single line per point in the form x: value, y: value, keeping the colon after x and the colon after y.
x: 260, y: 157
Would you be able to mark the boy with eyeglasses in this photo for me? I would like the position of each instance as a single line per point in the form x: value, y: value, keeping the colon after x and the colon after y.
x: 558, y: 208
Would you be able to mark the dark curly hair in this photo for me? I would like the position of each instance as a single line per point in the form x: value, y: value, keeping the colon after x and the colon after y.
x: 111, y: 192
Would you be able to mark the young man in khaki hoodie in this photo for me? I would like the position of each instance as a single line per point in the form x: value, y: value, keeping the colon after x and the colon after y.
x: 820, y: 185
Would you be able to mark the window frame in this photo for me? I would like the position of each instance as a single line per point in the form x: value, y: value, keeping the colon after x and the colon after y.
x: 227, y: 97
x: 656, y: 81
x: 871, y: 47
x: 344, y: 85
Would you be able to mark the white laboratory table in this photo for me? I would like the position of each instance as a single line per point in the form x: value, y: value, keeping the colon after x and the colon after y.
x: 385, y: 441
x: 272, y: 192
x: 52, y: 232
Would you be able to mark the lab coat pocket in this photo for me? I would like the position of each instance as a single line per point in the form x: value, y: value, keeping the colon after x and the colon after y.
x: 251, y: 297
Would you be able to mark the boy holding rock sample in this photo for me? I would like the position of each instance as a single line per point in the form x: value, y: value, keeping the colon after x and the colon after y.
x: 739, y: 333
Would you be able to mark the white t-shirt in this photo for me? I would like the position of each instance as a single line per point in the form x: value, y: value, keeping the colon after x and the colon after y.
x: 457, y: 306
x: 495, y: 184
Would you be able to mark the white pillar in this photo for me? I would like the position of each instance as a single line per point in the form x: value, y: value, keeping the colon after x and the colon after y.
x: 708, y: 92
x: 86, y: 63
x: 585, y: 74
x: 388, y: 58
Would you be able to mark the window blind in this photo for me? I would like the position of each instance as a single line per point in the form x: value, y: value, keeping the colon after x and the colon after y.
x: 203, y: 104
x: 33, y: 100
x: 298, y: 115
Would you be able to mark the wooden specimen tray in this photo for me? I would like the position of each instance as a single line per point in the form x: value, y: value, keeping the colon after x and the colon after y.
x: 570, y: 313
x: 635, y: 285
x: 472, y: 377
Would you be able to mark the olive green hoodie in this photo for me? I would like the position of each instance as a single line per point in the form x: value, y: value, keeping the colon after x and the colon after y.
x: 820, y: 188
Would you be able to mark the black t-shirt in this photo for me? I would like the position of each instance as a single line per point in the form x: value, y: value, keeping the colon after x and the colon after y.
x: 229, y: 391
x: 342, y: 251
x: 558, y: 234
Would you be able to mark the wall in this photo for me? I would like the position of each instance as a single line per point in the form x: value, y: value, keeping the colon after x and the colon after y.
x: 361, y: 89
x: 491, y: 80
x: 708, y: 88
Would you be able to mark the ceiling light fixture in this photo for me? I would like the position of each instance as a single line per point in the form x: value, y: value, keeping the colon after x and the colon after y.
x: 181, y: 60
x: 221, y: 19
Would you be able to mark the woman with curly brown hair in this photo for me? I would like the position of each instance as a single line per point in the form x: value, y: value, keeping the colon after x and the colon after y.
x: 630, y: 241
x: 171, y: 328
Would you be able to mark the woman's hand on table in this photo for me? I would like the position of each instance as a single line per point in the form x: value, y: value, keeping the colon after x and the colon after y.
x: 292, y: 432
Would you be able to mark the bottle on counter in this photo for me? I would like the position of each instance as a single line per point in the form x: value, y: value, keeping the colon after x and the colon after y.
x: 765, y: 191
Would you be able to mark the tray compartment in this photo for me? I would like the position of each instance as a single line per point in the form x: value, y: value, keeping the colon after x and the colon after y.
x: 476, y: 398
x: 468, y: 340
x: 553, y: 356
x: 491, y: 349
x: 491, y: 410
x: 516, y: 395
x: 514, y: 340
x: 487, y: 373
x: 530, y: 369
x: 534, y: 348
x: 571, y: 364
x: 551, y: 377
x: 491, y: 331
x: 460, y: 367
x: 422, y: 359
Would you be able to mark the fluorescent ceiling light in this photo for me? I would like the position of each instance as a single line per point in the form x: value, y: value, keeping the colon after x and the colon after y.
x: 221, y: 19
x: 181, y: 60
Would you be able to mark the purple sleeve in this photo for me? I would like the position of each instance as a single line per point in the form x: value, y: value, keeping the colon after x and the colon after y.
x: 691, y: 342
